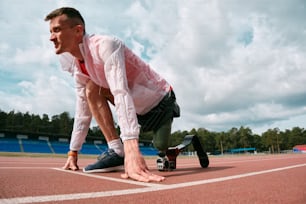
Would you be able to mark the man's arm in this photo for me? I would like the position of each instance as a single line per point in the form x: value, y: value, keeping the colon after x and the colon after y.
x: 115, y: 71
x: 80, y: 128
x: 135, y: 165
x: 82, y: 119
x: 83, y: 115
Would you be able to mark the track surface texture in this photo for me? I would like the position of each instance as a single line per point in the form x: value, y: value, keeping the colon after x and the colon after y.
x: 228, y: 179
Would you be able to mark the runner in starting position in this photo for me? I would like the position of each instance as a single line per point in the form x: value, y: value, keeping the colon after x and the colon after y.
x: 107, y: 72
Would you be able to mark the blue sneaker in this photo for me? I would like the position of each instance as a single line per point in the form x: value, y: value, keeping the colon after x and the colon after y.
x: 108, y: 161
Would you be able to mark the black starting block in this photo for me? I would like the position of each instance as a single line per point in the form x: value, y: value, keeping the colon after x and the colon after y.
x: 167, y: 162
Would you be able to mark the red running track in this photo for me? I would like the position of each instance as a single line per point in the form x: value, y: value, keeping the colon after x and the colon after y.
x: 228, y: 179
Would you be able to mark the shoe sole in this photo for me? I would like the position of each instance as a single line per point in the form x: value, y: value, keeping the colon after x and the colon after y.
x: 105, y: 170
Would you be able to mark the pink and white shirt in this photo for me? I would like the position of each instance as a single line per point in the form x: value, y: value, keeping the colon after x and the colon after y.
x: 110, y: 64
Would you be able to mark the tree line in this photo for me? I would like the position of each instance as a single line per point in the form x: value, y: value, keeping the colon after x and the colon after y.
x: 58, y: 125
x: 272, y: 140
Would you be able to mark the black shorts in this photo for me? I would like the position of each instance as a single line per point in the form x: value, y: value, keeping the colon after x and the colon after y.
x: 165, y: 110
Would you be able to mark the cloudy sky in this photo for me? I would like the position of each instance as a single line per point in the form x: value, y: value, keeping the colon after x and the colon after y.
x: 232, y: 63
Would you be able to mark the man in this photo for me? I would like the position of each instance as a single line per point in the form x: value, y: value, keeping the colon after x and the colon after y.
x: 106, y: 71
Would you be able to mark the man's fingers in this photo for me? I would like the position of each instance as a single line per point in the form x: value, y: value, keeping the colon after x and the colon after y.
x: 74, y: 168
x: 139, y: 177
x: 125, y: 176
x: 71, y: 166
x: 152, y: 177
x: 157, y: 178
x: 143, y: 177
x: 135, y: 176
x: 66, y: 166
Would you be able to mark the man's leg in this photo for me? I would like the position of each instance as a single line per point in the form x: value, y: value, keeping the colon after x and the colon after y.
x: 98, y: 99
x: 161, y: 137
x: 159, y: 119
x: 161, y: 140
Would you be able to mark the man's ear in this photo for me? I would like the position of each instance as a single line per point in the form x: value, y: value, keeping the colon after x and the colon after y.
x: 79, y: 29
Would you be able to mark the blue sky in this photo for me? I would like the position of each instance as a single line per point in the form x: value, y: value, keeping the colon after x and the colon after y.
x: 232, y: 63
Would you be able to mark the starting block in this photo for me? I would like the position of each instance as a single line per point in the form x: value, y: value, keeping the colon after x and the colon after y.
x: 167, y: 161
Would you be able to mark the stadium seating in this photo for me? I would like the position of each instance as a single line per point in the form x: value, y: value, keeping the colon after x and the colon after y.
x: 90, y: 149
x: 60, y: 147
x: 9, y: 145
x: 37, y: 146
x: 44, y: 146
x: 148, y: 151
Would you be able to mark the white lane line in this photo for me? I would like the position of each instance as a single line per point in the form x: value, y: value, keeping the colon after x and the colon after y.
x: 76, y: 196
x: 253, y: 160
x: 111, y: 179
x: 23, y: 167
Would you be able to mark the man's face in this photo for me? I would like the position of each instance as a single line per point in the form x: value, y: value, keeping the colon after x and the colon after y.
x: 63, y: 35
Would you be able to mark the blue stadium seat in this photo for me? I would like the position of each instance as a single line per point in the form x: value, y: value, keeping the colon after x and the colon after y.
x: 9, y: 145
x: 60, y: 147
x: 35, y: 146
x: 90, y: 149
x: 41, y: 146
x: 148, y: 151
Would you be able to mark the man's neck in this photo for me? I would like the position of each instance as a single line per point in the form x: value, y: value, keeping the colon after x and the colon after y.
x: 76, y: 52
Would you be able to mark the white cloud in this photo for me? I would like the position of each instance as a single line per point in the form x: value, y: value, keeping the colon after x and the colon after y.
x: 33, y: 55
x: 46, y: 94
x: 231, y: 63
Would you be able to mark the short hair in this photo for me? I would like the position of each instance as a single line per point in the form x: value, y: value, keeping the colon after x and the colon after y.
x: 71, y: 13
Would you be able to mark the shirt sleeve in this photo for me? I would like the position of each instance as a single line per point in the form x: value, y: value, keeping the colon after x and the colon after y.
x: 83, y: 115
x: 82, y: 119
x: 112, y: 53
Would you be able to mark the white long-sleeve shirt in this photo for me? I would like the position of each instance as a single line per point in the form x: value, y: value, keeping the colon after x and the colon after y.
x: 110, y: 64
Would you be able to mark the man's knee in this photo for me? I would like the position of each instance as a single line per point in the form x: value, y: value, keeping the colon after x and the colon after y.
x: 93, y: 91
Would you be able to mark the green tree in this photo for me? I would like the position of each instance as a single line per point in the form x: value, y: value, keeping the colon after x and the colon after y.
x: 233, y: 137
x: 45, y: 125
x: 244, y: 137
x: 207, y: 139
x: 35, y: 123
x: 271, y: 140
x: 27, y: 121
x: 257, y: 142
x: 65, y: 125
x: 3, y: 118
x: 177, y: 137
x: 297, y: 136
